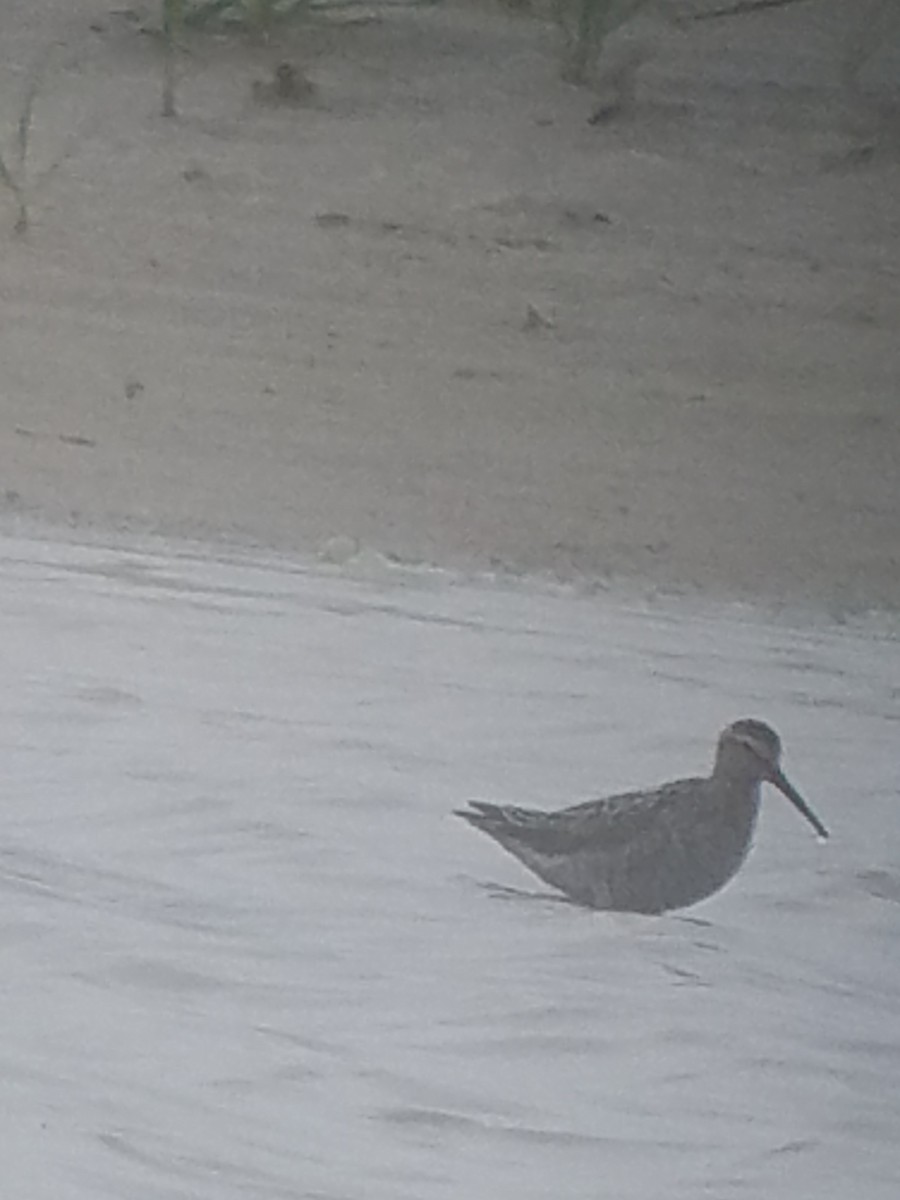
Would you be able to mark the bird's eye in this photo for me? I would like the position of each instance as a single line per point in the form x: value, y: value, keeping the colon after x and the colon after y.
x: 757, y: 749
x: 767, y: 753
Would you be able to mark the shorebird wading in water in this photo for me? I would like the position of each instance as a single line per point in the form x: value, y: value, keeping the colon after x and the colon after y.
x: 651, y: 851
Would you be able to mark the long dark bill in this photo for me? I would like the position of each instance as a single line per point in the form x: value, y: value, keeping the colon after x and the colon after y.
x: 797, y: 800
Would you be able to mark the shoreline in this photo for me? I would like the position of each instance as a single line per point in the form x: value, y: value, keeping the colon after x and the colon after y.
x: 368, y: 568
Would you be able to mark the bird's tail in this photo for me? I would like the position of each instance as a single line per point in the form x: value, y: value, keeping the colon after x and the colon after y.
x: 496, y: 818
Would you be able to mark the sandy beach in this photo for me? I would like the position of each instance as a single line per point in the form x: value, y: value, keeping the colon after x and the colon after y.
x: 436, y: 315
x: 258, y: 357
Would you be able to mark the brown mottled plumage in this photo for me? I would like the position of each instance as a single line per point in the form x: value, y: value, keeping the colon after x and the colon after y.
x: 655, y: 850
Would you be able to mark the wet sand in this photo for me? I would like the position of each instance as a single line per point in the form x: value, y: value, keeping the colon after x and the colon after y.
x: 248, y: 951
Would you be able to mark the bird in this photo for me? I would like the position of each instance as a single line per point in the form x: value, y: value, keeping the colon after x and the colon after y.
x: 657, y: 850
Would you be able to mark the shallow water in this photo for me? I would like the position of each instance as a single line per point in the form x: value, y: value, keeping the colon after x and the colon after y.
x: 248, y: 952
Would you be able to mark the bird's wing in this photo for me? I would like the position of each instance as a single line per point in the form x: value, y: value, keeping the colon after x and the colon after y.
x: 610, y: 822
